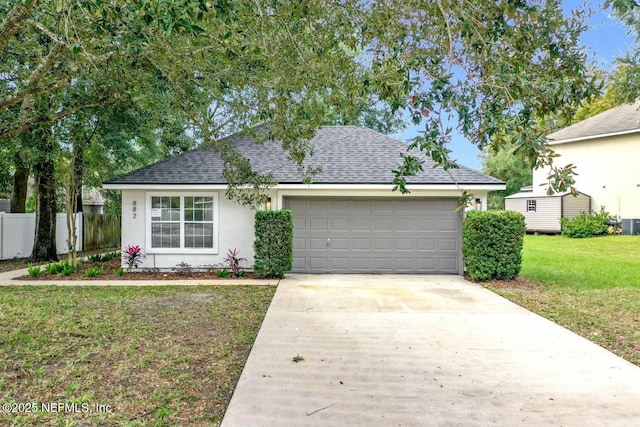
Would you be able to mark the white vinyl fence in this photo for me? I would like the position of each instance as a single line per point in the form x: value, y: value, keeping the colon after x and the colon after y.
x: 17, y: 231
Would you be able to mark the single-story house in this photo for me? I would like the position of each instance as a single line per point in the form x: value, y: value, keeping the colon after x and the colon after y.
x: 347, y: 221
x: 605, y: 149
x: 542, y: 212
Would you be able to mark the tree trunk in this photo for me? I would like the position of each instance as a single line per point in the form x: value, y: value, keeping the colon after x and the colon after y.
x: 44, y: 246
x: 78, y: 169
x: 20, y: 186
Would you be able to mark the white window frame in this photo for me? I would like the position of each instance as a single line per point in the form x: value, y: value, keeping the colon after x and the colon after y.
x: 532, y: 203
x: 182, y: 249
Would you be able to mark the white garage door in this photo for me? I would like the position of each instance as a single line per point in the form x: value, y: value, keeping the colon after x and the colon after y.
x: 357, y: 235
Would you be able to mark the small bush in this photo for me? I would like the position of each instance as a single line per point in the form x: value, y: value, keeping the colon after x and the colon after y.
x: 54, y: 268
x: 67, y: 269
x: 234, y: 263
x: 93, y: 272
x: 133, y: 257
x: 223, y: 273
x: 586, y: 225
x: 274, y: 243
x: 34, y: 271
x: 183, y: 269
x: 492, y: 244
x: 120, y: 272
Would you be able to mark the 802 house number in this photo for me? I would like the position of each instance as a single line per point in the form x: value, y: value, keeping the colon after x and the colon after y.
x: 135, y: 209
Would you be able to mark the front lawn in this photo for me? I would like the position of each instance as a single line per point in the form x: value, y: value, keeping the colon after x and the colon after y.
x: 167, y: 356
x: 590, y: 286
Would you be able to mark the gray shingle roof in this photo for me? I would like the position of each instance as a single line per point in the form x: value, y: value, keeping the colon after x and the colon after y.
x: 618, y: 119
x: 347, y: 155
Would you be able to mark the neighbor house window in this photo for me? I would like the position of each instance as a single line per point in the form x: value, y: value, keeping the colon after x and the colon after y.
x: 183, y: 222
x: 531, y: 205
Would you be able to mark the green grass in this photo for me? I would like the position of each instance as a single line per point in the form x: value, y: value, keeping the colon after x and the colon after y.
x: 594, y: 263
x: 590, y: 286
x: 165, y: 356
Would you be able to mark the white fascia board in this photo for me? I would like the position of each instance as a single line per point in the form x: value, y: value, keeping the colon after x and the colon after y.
x: 163, y: 187
x: 583, y: 138
x: 191, y: 187
x: 410, y: 187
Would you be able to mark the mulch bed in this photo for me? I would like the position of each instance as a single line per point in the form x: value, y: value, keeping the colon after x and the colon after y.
x: 109, y: 269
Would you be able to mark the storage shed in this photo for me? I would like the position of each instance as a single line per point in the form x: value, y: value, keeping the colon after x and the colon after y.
x: 542, y: 212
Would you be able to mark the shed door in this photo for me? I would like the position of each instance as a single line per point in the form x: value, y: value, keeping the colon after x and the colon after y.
x: 358, y: 235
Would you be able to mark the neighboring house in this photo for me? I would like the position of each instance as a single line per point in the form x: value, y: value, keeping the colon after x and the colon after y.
x: 5, y: 205
x: 92, y: 200
x: 542, y: 213
x: 348, y: 220
x: 606, y: 152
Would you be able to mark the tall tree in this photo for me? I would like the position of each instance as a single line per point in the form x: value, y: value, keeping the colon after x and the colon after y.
x: 510, y: 167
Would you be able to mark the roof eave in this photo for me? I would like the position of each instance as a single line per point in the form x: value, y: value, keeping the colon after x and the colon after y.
x: 320, y: 186
x: 586, y: 137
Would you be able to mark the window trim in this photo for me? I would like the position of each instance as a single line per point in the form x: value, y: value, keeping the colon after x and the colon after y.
x: 182, y: 250
x: 532, y: 203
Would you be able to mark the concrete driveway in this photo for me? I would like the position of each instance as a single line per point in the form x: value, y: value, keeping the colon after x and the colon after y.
x: 419, y: 351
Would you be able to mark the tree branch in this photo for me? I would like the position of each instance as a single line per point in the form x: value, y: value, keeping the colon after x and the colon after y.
x: 31, y: 122
x: 34, y: 78
x: 12, y: 21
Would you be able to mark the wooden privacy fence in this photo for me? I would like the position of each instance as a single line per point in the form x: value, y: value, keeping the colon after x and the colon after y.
x: 100, y: 231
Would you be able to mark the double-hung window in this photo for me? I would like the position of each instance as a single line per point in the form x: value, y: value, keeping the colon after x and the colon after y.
x: 185, y: 222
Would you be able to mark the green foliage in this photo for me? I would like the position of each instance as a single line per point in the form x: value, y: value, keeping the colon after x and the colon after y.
x: 120, y: 271
x: 586, y: 224
x: 34, y: 271
x: 68, y: 269
x: 492, y: 244
x: 54, y: 268
x: 234, y: 262
x: 273, y: 246
x: 510, y: 167
x: 93, y: 271
x: 223, y: 273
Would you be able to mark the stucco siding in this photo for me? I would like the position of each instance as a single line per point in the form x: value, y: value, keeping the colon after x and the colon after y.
x: 234, y: 230
x: 572, y: 206
x: 546, y: 218
x: 607, y: 171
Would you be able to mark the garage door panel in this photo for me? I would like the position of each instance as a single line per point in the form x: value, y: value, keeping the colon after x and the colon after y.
x: 361, y: 244
x: 405, y: 244
x: 448, y: 265
x: 361, y: 224
x: 383, y: 224
x: 339, y: 244
x: 317, y: 243
x: 423, y: 244
x: 426, y: 264
x: 445, y: 225
x: 299, y: 244
x: 339, y: 224
x: 318, y: 263
x: 375, y: 235
x: 426, y: 224
x: 448, y: 244
x: 317, y: 224
x: 383, y: 244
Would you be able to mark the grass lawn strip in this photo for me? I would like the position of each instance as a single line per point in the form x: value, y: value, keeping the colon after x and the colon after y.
x: 590, y: 286
x: 157, y: 356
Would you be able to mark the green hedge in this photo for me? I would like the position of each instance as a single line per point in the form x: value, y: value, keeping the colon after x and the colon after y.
x: 274, y: 243
x: 492, y: 244
x: 586, y: 225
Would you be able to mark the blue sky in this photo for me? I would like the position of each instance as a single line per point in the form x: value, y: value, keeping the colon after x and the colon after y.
x: 605, y: 39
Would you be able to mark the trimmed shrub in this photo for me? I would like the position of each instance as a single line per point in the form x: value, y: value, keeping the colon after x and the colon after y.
x: 586, y: 225
x: 274, y: 243
x: 492, y: 244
